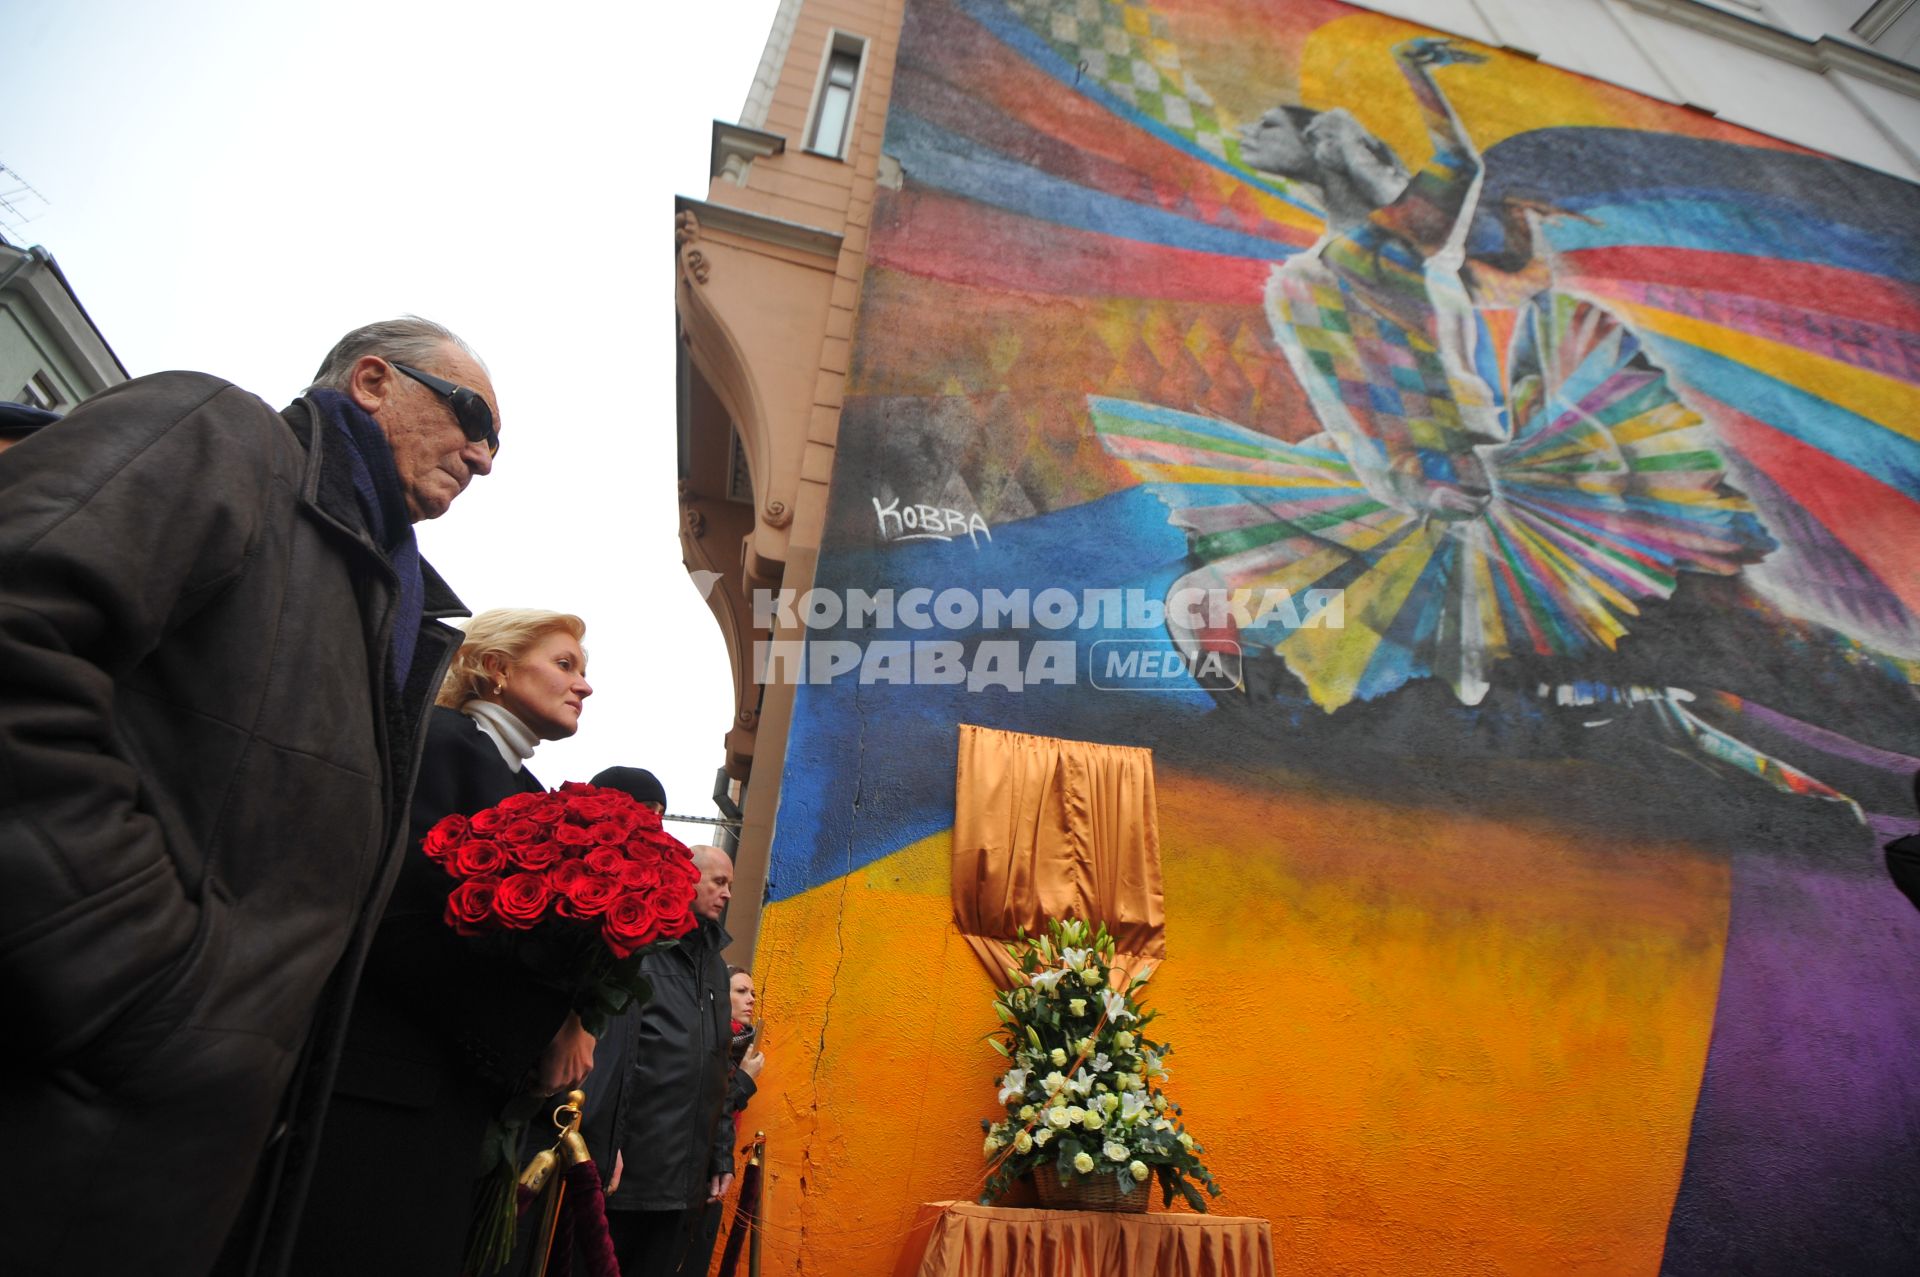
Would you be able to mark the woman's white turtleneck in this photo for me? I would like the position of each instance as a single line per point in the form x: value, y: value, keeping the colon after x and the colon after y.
x: 513, y: 738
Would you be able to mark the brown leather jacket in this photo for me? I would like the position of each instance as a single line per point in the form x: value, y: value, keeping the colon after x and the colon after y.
x: 203, y: 783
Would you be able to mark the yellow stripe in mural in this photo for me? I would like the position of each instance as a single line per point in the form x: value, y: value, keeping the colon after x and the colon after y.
x: 1880, y: 399
x: 1331, y: 661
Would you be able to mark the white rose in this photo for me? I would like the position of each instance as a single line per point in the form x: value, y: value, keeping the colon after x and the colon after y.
x: 1076, y: 1006
x: 1186, y: 1141
x: 1089, y: 977
x: 993, y: 1142
x: 1093, y: 1120
x: 1115, y: 1151
x: 1042, y: 1135
x: 1123, y: 1040
x: 1082, y: 1163
x: 1026, y: 1112
x: 1059, y: 1057
x: 1023, y: 1143
x: 1058, y: 1119
x: 1138, y: 1170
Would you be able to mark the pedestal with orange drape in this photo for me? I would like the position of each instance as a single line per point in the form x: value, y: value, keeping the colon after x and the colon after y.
x: 961, y: 1239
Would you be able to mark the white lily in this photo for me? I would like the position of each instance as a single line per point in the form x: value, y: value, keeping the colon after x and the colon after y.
x: 1046, y: 980
x: 1074, y: 957
x: 1116, y: 1006
x: 1100, y: 1064
x: 1134, y: 1106
x: 1013, y: 1084
x: 1081, y: 1083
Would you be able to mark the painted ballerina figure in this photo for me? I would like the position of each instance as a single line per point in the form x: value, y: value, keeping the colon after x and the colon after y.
x: 1501, y: 469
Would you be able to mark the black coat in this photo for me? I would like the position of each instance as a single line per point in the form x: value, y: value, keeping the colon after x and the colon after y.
x: 659, y: 1086
x: 445, y: 1030
x: 1903, y: 864
x: 201, y: 765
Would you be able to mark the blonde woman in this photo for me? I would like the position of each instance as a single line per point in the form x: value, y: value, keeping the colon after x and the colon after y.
x: 445, y: 1029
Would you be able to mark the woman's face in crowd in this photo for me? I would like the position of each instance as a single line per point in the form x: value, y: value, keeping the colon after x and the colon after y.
x: 741, y: 987
x: 547, y: 686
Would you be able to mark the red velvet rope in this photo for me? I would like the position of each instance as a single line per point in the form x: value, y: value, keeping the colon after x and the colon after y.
x: 586, y: 1205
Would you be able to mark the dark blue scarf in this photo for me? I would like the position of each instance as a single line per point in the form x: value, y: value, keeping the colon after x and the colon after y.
x: 384, y: 503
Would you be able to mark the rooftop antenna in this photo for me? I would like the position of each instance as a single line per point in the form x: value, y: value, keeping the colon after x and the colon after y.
x: 19, y: 202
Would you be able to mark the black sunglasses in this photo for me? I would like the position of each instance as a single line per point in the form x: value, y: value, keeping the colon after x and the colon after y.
x: 469, y: 409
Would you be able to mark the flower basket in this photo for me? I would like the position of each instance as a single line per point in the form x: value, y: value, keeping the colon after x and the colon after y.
x: 1081, y: 1096
x: 1088, y: 1192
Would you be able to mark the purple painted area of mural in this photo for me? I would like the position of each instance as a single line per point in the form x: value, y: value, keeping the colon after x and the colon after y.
x: 1805, y: 1154
x: 1832, y: 742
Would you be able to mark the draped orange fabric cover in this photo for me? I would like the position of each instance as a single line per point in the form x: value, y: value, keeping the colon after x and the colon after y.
x: 961, y: 1239
x: 1050, y: 828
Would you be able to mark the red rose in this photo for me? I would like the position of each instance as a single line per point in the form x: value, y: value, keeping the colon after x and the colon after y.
x: 591, y: 809
x: 578, y: 787
x: 561, y: 875
x: 645, y: 817
x: 518, y: 832
x: 537, y: 854
x: 672, y: 913
x: 627, y: 924
x: 476, y: 858
x: 521, y: 900
x: 641, y: 875
x: 443, y: 838
x: 587, y: 895
x: 571, y: 835
x: 645, y: 842
x: 547, y: 809
x: 470, y: 905
x: 518, y: 804
x: 486, y: 823
x: 608, y: 833
x: 605, y: 861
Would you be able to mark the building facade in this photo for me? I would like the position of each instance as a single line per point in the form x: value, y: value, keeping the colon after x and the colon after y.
x: 51, y: 355
x: 1479, y: 459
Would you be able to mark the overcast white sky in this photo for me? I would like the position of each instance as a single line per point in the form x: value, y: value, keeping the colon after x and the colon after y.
x: 233, y: 184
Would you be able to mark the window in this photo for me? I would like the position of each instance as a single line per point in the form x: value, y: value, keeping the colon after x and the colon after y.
x: 40, y: 392
x: 833, y: 104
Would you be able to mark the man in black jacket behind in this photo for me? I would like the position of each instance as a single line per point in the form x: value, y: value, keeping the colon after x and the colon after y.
x: 655, y: 1108
x: 218, y: 644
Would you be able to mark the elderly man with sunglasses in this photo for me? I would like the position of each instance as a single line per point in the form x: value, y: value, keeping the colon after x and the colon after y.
x: 218, y: 646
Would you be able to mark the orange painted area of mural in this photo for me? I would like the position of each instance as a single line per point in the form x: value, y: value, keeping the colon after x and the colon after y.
x: 1346, y: 63
x: 1415, y: 1040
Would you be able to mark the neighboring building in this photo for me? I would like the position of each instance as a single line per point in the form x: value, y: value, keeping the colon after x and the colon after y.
x: 1525, y: 909
x: 51, y: 354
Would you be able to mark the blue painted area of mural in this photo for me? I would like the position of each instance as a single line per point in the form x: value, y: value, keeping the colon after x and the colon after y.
x: 1730, y: 200
x: 836, y: 816
x: 936, y: 158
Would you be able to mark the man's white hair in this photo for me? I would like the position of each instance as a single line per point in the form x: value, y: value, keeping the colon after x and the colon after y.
x: 407, y: 340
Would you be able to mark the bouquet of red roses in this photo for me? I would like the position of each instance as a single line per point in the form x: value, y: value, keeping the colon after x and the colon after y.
x: 586, y: 870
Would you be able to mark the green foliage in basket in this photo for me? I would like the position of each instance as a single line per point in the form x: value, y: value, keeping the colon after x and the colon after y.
x: 1080, y: 1090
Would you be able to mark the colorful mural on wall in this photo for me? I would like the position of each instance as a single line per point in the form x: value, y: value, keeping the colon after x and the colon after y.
x: 1529, y: 919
